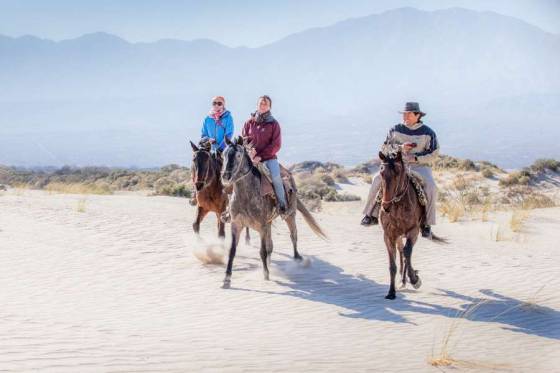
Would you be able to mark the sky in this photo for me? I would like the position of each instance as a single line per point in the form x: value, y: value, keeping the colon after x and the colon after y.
x: 233, y: 23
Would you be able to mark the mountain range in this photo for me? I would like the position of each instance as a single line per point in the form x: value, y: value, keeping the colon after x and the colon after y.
x: 489, y: 83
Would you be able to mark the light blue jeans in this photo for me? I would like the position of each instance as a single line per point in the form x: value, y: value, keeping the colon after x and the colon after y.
x: 274, y: 168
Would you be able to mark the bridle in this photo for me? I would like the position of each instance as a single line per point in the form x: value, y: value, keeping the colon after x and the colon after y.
x: 399, y: 196
x: 205, y: 180
x: 233, y: 174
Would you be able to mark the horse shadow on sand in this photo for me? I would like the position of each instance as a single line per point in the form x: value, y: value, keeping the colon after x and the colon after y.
x: 362, y: 298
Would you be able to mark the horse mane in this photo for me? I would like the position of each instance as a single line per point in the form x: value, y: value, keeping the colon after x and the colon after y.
x: 390, y: 150
x: 254, y: 169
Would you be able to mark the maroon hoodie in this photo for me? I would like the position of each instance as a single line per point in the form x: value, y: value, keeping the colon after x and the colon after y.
x: 264, y: 135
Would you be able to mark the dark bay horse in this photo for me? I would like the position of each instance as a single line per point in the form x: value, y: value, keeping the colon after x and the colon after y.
x: 210, y: 195
x: 401, y: 216
x: 250, y: 209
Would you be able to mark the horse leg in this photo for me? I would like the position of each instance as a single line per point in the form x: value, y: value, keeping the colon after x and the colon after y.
x: 200, y: 214
x: 402, y: 270
x: 235, y: 234
x: 247, y: 237
x: 407, y: 250
x: 265, y: 237
x: 390, y: 244
x: 221, y: 226
x: 291, y: 221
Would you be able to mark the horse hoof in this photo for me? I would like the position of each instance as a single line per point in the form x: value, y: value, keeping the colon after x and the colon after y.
x: 418, y: 283
x: 227, y: 283
x: 298, y: 258
x: 390, y: 296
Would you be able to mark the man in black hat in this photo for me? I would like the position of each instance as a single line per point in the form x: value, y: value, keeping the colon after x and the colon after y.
x: 420, y: 147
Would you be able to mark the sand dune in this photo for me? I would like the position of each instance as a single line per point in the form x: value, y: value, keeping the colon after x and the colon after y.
x: 115, y: 284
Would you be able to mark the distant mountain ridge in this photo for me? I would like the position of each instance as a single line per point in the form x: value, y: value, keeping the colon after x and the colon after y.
x: 487, y: 82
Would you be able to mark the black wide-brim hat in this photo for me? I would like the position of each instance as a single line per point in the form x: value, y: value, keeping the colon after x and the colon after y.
x: 412, y: 107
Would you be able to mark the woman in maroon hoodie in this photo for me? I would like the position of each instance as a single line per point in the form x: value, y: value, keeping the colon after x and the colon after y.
x: 263, y: 132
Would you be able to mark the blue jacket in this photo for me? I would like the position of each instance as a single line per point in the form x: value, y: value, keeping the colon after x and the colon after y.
x: 210, y: 129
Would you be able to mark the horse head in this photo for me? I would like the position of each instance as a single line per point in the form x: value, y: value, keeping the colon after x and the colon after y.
x: 203, y: 170
x: 237, y: 162
x: 393, y: 172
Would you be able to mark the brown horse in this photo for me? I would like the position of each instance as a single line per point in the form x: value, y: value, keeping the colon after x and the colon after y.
x: 210, y: 195
x: 401, y: 217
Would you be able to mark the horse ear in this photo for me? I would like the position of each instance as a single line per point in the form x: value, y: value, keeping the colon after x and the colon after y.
x: 228, y: 141
x: 239, y: 140
x: 193, y: 146
x: 382, y: 156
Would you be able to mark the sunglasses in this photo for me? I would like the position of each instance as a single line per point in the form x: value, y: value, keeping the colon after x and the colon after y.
x: 217, y: 103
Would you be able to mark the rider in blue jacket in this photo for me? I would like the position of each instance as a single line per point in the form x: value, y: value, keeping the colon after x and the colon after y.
x: 217, y: 125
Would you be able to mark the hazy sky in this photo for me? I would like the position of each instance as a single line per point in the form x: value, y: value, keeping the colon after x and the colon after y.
x: 234, y: 23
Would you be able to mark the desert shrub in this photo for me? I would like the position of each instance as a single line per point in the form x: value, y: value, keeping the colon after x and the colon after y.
x: 522, y: 177
x: 367, y: 178
x: 487, y: 172
x: 78, y: 188
x: 460, y: 183
x: 542, y: 165
x: 340, y: 176
x: 466, y: 165
x: 445, y: 162
x: 327, y: 179
x: 342, y: 197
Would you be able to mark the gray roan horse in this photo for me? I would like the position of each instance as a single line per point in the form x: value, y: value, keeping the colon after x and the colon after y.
x: 249, y: 209
x: 401, y: 216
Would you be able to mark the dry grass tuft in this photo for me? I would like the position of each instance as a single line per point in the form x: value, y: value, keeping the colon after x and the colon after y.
x: 517, y: 220
x: 81, y: 205
x: 453, y: 209
x: 443, y: 357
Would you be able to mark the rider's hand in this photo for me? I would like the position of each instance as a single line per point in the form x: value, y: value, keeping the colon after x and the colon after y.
x: 252, y: 153
x: 256, y: 159
x: 407, y: 147
x: 409, y: 158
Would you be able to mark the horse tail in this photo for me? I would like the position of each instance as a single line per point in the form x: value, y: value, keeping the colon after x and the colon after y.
x: 440, y: 240
x: 310, y: 220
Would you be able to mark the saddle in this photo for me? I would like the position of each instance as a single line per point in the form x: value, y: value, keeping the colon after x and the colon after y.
x: 267, y: 189
x: 418, y: 186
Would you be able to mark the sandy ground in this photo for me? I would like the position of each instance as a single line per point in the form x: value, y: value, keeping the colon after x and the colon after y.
x: 111, y: 284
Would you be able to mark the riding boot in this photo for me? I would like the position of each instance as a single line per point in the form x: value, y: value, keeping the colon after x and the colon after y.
x: 427, y: 231
x: 370, y: 220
